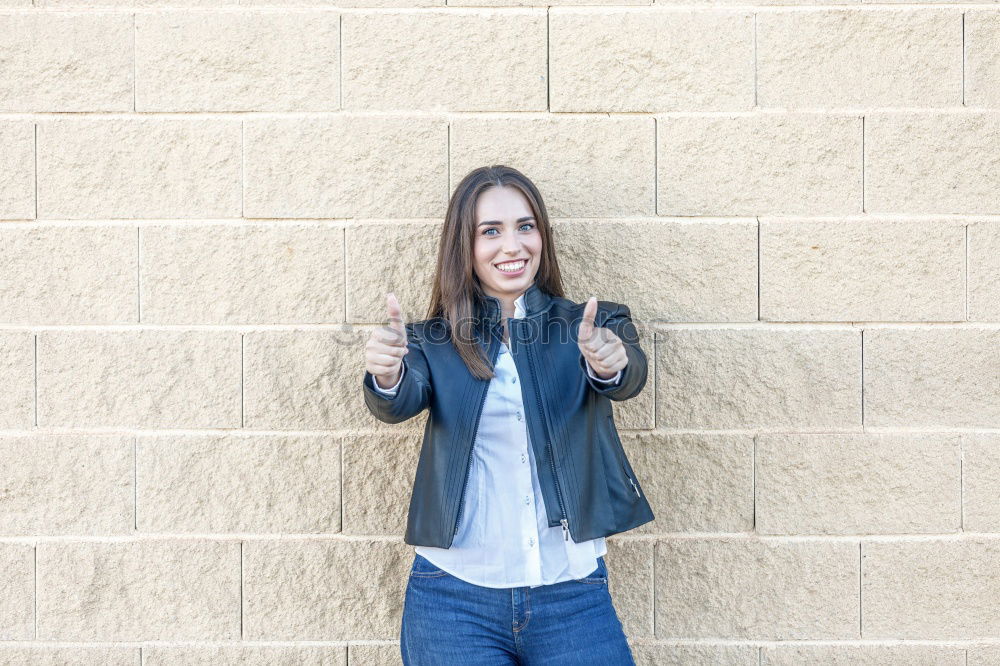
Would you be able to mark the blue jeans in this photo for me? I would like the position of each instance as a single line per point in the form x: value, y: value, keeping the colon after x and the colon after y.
x: 448, y: 621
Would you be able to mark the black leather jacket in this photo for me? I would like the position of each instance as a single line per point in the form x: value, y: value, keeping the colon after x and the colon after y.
x: 586, y: 480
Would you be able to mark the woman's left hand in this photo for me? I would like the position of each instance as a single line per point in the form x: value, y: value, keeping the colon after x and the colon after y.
x: 601, y: 348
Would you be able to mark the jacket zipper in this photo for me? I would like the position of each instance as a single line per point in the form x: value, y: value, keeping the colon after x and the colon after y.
x: 468, y: 468
x: 611, y: 424
x: 548, y: 444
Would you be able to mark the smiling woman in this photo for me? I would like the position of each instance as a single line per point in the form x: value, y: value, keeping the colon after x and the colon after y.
x: 521, y: 474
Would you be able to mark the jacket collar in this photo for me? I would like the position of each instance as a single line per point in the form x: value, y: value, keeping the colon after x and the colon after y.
x: 535, y: 300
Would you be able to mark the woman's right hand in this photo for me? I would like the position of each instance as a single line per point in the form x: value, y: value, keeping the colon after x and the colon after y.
x: 386, y: 347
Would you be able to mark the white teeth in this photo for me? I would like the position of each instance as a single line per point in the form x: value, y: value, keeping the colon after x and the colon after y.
x: 512, y: 267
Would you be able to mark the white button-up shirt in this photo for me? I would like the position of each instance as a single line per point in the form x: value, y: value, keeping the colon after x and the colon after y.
x: 504, y: 539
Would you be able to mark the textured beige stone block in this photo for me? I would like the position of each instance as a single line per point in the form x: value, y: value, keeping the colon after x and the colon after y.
x: 981, y: 482
x: 249, y: 484
x: 931, y: 377
x: 69, y: 656
x: 378, y: 479
x: 237, y: 61
x: 17, y: 367
x: 139, y: 378
x: 375, y: 655
x: 346, y: 166
x: 926, y: 163
x: 588, y: 166
x: 984, y: 271
x: 248, y: 655
x: 138, y: 167
x: 454, y: 59
x: 68, y: 275
x: 858, y: 484
x: 982, y: 655
x: 630, y: 583
x: 863, y: 655
x: 614, y: 59
x: 862, y: 270
x: 930, y: 590
x: 859, y: 57
x: 390, y: 256
x: 17, y: 170
x: 695, y: 655
x: 699, y: 483
x: 982, y: 60
x: 66, y: 484
x: 67, y: 61
x: 139, y: 590
x: 17, y: 580
x: 771, y: 378
x: 755, y: 589
x: 664, y: 270
x: 759, y: 164
x: 242, y: 274
x: 328, y: 590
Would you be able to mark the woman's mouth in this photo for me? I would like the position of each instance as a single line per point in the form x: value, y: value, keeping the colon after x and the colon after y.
x: 513, y: 268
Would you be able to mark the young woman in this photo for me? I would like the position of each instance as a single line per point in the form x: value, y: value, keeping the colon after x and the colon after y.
x: 521, y: 474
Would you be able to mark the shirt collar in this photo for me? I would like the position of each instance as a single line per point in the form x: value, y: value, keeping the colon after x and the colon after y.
x: 519, y: 307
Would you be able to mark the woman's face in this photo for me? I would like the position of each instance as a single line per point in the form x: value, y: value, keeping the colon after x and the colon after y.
x: 506, y: 231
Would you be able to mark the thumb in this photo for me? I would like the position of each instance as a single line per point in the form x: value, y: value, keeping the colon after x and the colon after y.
x: 587, y: 323
x: 395, y: 312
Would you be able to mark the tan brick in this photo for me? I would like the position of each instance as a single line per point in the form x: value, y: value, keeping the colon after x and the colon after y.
x: 17, y: 170
x: 862, y: 270
x: 984, y: 271
x: 664, y: 270
x: 945, y: 580
x: 139, y: 590
x: 378, y: 479
x: 857, y: 484
x: 66, y: 484
x: 138, y: 167
x: 66, y: 61
x: 68, y: 275
x: 249, y: 483
x: 771, y: 378
x: 390, y: 256
x: 982, y: 59
x: 237, y: 61
x: 17, y: 580
x: 346, y: 166
x: 324, y: 590
x: 926, y: 163
x: 624, y: 59
x: 695, y: 655
x: 859, y: 57
x: 374, y: 655
x: 983, y: 655
x: 69, y: 656
x: 981, y: 482
x: 445, y: 59
x: 139, y: 378
x: 588, y: 166
x: 17, y: 367
x: 863, y: 655
x: 941, y: 377
x: 630, y: 583
x: 754, y: 589
x: 760, y: 164
x: 700, y: 483
x: 242, y: 274
x: 246, y: 655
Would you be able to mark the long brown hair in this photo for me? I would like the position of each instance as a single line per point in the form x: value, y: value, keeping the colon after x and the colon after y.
x: 457, y: 290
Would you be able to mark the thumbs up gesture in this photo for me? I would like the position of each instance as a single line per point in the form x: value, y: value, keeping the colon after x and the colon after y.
x: 386, y: 346
x: 601, y: 348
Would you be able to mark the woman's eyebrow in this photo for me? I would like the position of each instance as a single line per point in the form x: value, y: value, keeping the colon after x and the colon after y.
x: 520, y: 219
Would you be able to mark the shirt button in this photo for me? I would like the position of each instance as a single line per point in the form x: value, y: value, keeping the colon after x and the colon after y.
x: 526, y: 499
x: 522, y: 457
x: 519, y: 416
x: 531, y: 541
x: 513, y: 380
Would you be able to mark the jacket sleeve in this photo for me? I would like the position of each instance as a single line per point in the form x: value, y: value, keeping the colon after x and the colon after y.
x: 413, y: 394
x: 633, y: 375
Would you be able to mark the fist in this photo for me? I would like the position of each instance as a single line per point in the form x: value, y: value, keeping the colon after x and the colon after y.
x: 601, y: 348
x: 386, y: 347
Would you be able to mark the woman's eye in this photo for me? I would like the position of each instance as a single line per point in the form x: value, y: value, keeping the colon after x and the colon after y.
x: 526, y: 224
